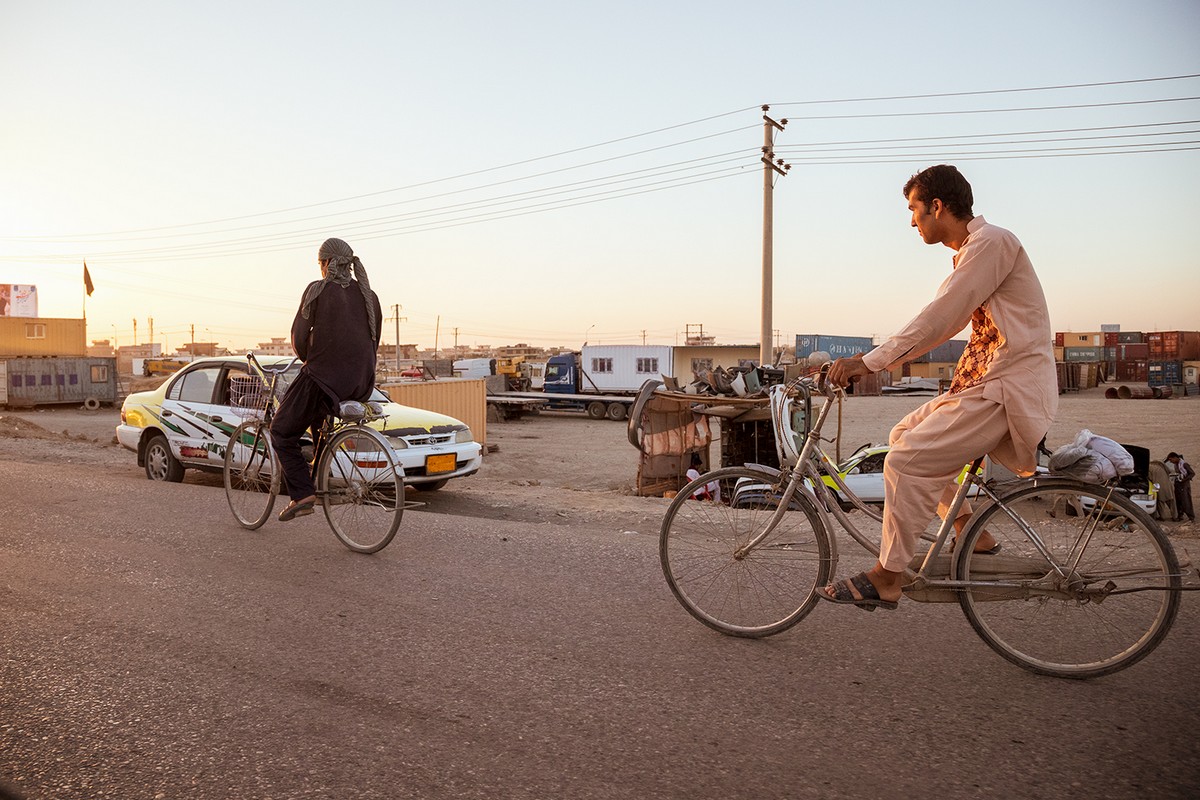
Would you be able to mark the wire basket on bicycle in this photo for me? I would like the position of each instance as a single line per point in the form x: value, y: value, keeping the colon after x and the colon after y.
x: 249, y: 396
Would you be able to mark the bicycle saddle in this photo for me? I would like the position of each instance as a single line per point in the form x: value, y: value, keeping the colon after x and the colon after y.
x: 354, y: 411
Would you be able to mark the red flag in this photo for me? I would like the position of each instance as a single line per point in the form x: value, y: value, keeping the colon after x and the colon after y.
x: 87, y: 280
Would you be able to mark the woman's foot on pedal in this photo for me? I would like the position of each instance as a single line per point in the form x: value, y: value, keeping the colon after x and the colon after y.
x: 298, y: 508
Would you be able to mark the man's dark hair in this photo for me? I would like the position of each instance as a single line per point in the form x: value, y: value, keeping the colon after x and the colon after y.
x: 943, y: 182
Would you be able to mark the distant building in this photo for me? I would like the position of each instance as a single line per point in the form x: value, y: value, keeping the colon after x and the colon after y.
x: 100, y: 348
x: 278, y: 346
x: 201, y: 349
x: 519, y: 350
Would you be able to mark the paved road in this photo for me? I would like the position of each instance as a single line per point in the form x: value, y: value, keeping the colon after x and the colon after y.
x: 151, y: 649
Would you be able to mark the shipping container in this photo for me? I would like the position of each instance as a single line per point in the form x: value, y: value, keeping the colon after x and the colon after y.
x: 26, y: 382
x: 1083, y: 354
x: 1111, y: 338
x: 1133, y: 352
x: 1089, y: 339
x: 1174, y: 345
x: 621, y: 367
x: 1133, y: 371
x: 835, y: 346
x: 1131, y: 337
x: 947, y: 351
x: 463, y: 399
x: 1191, y: 372
x: 42, y: 336
x: 1164, y: 373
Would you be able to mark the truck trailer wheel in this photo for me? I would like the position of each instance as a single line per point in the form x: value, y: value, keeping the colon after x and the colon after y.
x: 617, y: 411
x: 596, y: 409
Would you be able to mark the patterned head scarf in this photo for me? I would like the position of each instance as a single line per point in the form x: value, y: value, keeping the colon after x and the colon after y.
x: 341, y: 262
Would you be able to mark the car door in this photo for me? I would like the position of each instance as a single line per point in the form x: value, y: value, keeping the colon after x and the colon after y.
x: 192, y: 404
x: 865, y: 479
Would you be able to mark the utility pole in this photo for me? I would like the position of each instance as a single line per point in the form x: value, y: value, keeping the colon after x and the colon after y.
x: 770, y: 165
x: 396, y: 316
x: 151, y: 321
x: 135, y: 332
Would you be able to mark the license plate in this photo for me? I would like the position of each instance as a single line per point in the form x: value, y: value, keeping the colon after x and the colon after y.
x: 440, y: 463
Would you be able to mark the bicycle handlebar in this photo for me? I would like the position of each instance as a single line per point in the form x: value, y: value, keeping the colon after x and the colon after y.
x: 254, y: 362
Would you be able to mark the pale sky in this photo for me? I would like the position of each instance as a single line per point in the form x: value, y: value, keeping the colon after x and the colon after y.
x: 543, y: 172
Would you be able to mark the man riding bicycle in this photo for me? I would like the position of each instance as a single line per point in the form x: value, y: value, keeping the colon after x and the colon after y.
x: 1005, y: 389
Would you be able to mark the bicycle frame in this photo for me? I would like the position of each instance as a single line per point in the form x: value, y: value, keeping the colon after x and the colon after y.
x: 805, y: 476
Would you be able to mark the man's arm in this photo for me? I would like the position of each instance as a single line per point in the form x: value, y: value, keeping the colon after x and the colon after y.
x: 983, y: 264
x: 302, y: 332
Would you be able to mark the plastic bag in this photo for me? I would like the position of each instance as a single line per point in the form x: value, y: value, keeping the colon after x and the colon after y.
x: 1091, y: 458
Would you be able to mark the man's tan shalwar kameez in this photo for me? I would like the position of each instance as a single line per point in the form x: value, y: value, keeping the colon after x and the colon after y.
x: 1001, y: 404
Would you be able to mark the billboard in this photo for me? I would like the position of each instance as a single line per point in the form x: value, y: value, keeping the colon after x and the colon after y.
x: 18, y: 300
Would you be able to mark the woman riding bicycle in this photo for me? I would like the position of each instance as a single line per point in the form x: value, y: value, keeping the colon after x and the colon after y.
x: 336, y: 335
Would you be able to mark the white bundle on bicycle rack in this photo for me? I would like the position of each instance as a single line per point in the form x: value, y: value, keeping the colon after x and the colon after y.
x: 1091, y: 458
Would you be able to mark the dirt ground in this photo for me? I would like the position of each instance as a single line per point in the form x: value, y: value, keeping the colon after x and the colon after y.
x: 562, y: 468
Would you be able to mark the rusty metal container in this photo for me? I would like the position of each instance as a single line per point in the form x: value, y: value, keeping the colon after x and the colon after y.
x: 1135, y: 392
x: 1133, y: 371
x: 1174, y: 345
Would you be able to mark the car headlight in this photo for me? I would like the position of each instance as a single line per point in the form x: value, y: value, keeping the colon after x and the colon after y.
x: 463, y: 435
x: 398, y: 443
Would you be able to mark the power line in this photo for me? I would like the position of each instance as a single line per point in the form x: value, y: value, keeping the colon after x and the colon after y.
x: 995, y: 135
x: 800, y: 150
x: 454, y: 177
x: 135, y: 256
x: 997, y: 110
x: 987, y: 91
x: 631, y: 137
x: 1002, y: 155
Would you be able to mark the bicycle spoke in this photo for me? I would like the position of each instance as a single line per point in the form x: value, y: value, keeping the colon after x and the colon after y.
x: 1080, y: 622
x: 753, y: 592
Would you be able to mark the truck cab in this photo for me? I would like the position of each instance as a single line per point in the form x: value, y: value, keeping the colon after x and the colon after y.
x: 562, y: 375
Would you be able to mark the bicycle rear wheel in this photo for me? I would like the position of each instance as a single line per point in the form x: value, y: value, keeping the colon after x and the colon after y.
x: 252, y: 474
x: 753, y: 594
x: 1115, y: 602
x: 361, y: 488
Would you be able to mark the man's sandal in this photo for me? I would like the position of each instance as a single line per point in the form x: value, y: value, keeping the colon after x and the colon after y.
x: 868, y: 600
x: 297, y: 508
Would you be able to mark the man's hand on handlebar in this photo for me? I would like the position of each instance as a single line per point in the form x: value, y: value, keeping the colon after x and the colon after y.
x: 846, y: 370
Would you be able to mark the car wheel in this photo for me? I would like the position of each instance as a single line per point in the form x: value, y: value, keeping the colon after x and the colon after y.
x: 160, y: 464
x: 432, y: 486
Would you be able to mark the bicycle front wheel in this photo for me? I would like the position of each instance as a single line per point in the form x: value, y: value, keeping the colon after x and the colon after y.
x: 1111, y: 601
x: 362, y: 489
x: 740, y: 591
x: 252, y: 474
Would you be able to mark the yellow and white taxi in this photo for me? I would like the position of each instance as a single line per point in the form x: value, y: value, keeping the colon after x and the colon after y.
x: 186, y: 423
